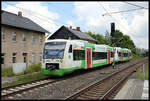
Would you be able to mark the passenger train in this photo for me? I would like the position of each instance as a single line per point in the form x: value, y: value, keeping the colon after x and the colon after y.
x: 62, y: 56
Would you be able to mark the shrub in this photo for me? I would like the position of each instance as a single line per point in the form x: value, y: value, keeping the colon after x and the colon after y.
x: 33, y: 68
x: 7, y: 72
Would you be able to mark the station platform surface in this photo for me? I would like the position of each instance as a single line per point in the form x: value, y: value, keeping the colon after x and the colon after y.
x: 134, y: 89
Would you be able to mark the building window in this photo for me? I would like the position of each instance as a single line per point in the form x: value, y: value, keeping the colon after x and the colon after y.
x: 14, y: 36
x: 33, y: 39
x: 3, y: 35
x: 33, y: 57
x: 24, y: 57
x: 14, y: 57
x: 2, y: 58
x: 40, y: 39
x: 23, y: 37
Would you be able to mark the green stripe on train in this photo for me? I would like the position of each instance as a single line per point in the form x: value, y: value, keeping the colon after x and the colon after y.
x: 61, y: 72
x: 99, y: 64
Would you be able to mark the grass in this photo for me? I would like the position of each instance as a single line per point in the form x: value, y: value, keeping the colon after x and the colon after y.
x: 33, y: 68
x: 8, y: 71
x: 31, y: 73
x: 25, y: 78
x: 140, y: 74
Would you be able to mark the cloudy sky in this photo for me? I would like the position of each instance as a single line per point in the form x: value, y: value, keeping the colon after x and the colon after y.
x: 88, y: 15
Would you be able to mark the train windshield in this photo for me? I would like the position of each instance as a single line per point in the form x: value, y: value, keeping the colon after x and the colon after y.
x: 54, y: 50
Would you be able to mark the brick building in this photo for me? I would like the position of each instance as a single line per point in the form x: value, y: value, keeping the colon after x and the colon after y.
x: 22, y: 40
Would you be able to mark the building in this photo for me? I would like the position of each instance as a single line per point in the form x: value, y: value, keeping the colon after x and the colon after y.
x: 69, y: 33
x: 22, y: 40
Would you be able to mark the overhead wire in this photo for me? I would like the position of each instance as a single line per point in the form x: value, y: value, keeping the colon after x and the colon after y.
x: 135, y: 5
x: 59, y: 9
x: 122, y: 11
x: 37, y: 14
x: 118, y: 23
x: 112, y: 17
x: 40, y: 15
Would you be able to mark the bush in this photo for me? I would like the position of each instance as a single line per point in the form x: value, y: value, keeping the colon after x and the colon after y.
x: 33, y: 68
x: 7, y: 72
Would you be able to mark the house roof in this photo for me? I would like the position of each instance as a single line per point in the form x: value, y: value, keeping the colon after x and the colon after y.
x: 79, y: 34
x: 20, y: 22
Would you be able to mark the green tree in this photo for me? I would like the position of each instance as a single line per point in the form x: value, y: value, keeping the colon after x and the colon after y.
x: 124, y: 41
x: 119, y: 40
x: 107, y: 38
x: 100, y: 38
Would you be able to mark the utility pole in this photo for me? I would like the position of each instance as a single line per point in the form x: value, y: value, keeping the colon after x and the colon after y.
x: 112, y: 40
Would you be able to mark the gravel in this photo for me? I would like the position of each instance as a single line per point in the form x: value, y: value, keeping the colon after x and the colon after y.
x: 62, y: 89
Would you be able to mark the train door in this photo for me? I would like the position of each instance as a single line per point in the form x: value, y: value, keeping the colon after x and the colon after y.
x: 88, y: 58
x: 108, y: 56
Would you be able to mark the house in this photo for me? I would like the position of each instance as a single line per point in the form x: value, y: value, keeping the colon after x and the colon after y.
x: 69, y: 33
x: 22, y: 40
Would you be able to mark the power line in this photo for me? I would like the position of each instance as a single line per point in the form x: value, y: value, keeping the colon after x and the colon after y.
x: 39, y: 14
x: 122, y: 11
x: 63, y: 11
x: 135, y: 5
x: 35, y: 13
x: 112, y: 17
x: 59, y: 9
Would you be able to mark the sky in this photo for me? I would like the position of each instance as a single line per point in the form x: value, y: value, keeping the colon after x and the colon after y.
x: 88, y: 16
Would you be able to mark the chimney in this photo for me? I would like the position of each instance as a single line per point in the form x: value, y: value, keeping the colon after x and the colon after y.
x: 70, y: 27
x: 78, y: 28
x: 19, y: 13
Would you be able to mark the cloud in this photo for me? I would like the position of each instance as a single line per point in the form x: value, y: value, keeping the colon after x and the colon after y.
x: 70, y: 23
x: 134, y: 24
x: 37, y: 13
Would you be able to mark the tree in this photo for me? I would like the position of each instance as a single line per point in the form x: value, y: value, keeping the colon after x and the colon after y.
x: 107, y: 38
x: 124, y: 41
x: 120, y: 40
x: 100, y: 38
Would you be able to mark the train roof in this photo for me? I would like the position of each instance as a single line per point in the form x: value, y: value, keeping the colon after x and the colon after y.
x: 82, y: 41
x: 65, y: 40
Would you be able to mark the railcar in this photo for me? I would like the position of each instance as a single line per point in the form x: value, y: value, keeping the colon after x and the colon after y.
x: 62, y: 56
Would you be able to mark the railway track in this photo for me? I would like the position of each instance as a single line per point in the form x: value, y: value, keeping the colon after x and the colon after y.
x: 103, y: 89
x: 20, y: 88
x: 11, y: 91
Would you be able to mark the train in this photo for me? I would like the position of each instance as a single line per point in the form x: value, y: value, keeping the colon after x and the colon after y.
x: 61, y: 56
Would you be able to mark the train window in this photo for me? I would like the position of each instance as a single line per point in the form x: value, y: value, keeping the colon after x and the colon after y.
x: 119, y: 54
x: 125, y: 54
x: 112, y: 54
x: 70, y: 49
x: 99, y: 55
x: 78, y: 54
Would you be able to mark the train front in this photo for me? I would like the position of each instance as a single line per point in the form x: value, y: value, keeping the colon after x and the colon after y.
x: 53, y: 54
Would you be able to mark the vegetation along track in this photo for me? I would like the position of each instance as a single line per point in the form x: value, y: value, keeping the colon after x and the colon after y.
x: 103, y: 88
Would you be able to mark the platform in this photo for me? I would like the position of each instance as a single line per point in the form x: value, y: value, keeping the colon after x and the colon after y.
x: 134, y: 89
